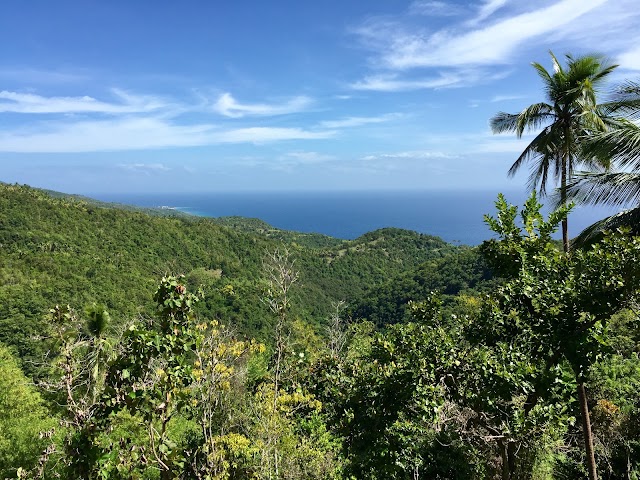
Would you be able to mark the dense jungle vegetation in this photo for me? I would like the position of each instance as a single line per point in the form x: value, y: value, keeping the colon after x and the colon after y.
x: 238, y: 370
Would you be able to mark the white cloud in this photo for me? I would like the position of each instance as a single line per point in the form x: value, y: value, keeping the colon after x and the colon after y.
x: 31, y: 103
x: 411, y: 155
x: 307, y: 158
x: 357, y: 121
x: 450, y: 79
x: 499, y: 34
x: 488, y: 8
x: 630, y: 59
x: 35, y: 76
x: 504, y: 98
x: 268, y: 134
x: 400, y: 47
x: 135, y: 122
x: 132, y: 133
x: 229, y: 107
x: 491, y: 45
x: 502, y: 144
x: 434, y: 8
x: 146, y: 168
x: 392, y: 82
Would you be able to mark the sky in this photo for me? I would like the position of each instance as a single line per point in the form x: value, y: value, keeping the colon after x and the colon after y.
x: 213, y: 96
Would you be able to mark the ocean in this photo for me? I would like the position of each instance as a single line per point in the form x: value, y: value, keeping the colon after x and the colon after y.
x: 455, y: 216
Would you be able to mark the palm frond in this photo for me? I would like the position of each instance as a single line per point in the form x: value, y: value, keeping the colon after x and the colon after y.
x: 557, y: 66
x: 539, y: 175
x: 617, y: 188
x: 503, y: 122
x: 627, y: 219
x: 626, y: 100
x: 620, y: 143
x: 544, y: 75
x: 530, y: 118
x: 533, y: 117
x: 592, y: 68
x: 571, y: 116
x: 538, y: 147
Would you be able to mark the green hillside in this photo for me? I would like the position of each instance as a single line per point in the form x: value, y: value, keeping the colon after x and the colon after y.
x: 436, y: 385
x: 260, y: 227
x: 463, y: 272
x: 59, y: 249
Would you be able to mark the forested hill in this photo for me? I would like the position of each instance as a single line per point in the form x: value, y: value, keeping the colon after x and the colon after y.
x: 58, y: 249
x: 459, y: 276
x: 262, y: 228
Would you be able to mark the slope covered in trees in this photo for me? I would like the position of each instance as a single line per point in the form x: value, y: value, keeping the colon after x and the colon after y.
x: 481, y: 380
x: 459, y: 276
x: 66, y: 250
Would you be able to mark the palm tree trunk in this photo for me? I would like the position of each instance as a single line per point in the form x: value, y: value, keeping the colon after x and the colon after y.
x: 563, y: 201
x: 586, y: 431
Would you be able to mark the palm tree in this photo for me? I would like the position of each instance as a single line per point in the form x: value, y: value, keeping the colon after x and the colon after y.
x: 620, y: 145
x: 570, y: 114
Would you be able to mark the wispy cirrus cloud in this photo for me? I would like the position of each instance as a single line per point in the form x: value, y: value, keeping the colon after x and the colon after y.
x: 489, y: 143
x: 128, y: 121
x: 358, y: 121
x: 269, y: 134
x: 410, y: 155
x: 630, y: 59
x: 228, y: 106
x: 286, y: 162
x: 487, y: 9
x: 405, y: 48
x: 146, y: 168
x: 435, y: 8
x: 393, y: 82
x: 491, y: 37
x: 504, y: 98
x: 40, y: 76
x: 17, y: 102
x: 305, y: 158
x: 138, y: 133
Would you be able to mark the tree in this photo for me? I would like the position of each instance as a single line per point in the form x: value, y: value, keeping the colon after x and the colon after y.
x: 570, y: 114
x: 154, y: 372
x: 77, y: 380
x: 558, y: 304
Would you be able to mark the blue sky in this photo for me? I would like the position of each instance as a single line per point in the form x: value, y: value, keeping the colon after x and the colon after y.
x: 122, y: 96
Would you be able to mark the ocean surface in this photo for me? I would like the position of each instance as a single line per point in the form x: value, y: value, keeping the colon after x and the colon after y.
x: 456, y: 216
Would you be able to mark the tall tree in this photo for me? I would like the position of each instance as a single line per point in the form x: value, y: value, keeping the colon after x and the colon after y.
x: 569, y: 114
x: 558, y: 305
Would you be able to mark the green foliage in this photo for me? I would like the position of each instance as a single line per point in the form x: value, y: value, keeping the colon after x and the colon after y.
x: 68, y: 250
x: 466, y: 368
x: 387, y: 398
x: 460, y: 272
x: 559, y: 302
x: 259, y: 227
x: 24, y: 419
x: 557, y: 306
x: 615, y: 383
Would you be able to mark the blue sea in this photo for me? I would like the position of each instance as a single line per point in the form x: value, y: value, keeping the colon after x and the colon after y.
x: 456, y: 216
